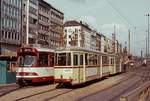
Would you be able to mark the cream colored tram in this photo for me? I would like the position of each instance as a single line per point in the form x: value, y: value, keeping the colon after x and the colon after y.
x: 76, y: 65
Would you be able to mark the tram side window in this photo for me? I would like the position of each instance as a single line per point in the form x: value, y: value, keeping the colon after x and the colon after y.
x: 95, y: 60
x: 64, y: 59
x: 86, y: 60
x: 56, y: 62
x: 43, y: 59
x: 51, y: 59
x: 112, y: 61
x: 81, y: 59
x: 104, y: 60
x: 68, y: 59
x: 99, y: 60
x: 117, y: 61
x: 75, y: 59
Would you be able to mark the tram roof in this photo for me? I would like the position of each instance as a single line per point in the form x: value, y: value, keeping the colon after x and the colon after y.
x: 81, y: 49
x: 40, y: 49
x: 45, y: 50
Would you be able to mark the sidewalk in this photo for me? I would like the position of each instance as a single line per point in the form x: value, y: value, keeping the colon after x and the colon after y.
x: 6, y: 85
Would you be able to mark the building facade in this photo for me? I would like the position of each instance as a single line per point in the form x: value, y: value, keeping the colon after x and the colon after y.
x: 32, y: 7
x: 79, y: 34
x: 10, y: 27
x: 45, y: 24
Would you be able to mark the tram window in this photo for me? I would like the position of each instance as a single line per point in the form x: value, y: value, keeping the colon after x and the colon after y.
x: 104, y: 60
x: 51, y: 60
x: 95, y: 60
x: 75, y: 59
x: 86, y: 60
x: 68, y: 59
x: 99, y: 60
x: 56, y: 62
x: 43, y: 59
x: 112, y: 61
x: 64, y: 59
x: 81, y: 59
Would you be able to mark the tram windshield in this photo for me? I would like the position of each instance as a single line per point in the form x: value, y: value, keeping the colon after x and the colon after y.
x: 63, y: 59
x: 27, y: 60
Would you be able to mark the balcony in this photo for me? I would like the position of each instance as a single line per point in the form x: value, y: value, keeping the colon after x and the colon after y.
x: 43, y: 13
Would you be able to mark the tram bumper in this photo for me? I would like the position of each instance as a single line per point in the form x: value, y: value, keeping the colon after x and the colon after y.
x: 63, y: 80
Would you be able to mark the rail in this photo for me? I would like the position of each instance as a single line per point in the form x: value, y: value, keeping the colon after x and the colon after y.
x: 142, y: 93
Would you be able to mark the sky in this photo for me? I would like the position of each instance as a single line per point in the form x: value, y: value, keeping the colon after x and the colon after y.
x: 103, y: 15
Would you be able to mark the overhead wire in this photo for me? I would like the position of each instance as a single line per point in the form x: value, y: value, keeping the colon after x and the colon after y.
x: 121, y: 15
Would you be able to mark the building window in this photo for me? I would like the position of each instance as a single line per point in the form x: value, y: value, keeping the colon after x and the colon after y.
x: 2, y: 34
x: 34, y: 1
x: 15, y: 36
x: 6, y: 34
x: 12, y: 35
x: 9, y: 34
x: 33, y: 10
x: 24, y: 7
x: 18, y: 37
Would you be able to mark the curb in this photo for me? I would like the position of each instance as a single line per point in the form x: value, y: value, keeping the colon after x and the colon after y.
x: 7, y: 85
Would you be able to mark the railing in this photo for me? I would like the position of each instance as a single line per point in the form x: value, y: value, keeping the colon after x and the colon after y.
x: 141, y: 93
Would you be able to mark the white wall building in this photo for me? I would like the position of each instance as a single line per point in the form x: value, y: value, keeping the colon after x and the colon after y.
x: 79, y: 34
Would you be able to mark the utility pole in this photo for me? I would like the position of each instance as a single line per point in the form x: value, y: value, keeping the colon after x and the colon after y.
x: 141, y: 56
x: 129, y: 41
x: 148, y: 42
x: 146, y: 48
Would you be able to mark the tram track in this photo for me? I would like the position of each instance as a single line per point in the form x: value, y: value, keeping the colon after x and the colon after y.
x: 133, y: 85
x: 129, y: 77
x: 8, y: 89
x: 12, y: 88
x: 34, y: 94
x: 55, y: 91
x: 143, y: 78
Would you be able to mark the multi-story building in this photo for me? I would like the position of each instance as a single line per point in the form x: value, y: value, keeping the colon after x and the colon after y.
x: 10, y: 22
x: 45, y: 24
x: 50, y: 25
x: 76, y: 34
x: 30, y: 21
x: 56, y: 26
x: 79, y: 34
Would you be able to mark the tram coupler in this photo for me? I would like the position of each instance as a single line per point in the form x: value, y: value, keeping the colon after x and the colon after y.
x: 22, y: 83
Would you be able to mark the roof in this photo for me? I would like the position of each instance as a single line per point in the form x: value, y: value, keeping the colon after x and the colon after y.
x: 45, y: 50
x: 74, y: 48
x: 72, y: 23
x: 76, y: 23
x: 38, y: 47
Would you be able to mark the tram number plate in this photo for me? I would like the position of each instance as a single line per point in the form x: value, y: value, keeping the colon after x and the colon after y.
x: 67, y: 71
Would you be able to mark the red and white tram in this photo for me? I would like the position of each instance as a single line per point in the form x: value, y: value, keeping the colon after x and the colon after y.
x: 35, y: 65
